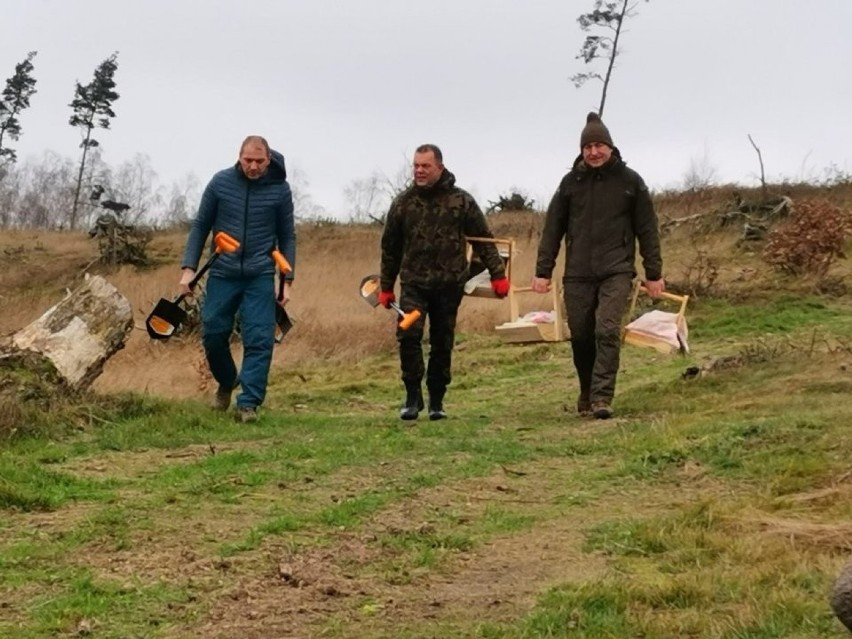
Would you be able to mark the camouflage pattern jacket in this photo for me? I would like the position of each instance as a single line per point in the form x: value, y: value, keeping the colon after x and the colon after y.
x: 424, y: 237
x: 601, y: 213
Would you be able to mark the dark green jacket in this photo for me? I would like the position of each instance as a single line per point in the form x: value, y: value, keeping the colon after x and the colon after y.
x: 601, y: 213
x: 424, y: 237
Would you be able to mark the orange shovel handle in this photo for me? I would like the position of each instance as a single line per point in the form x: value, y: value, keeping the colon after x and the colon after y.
x: 225, y: 243
x: 281, y: 262
x: 408, y: 319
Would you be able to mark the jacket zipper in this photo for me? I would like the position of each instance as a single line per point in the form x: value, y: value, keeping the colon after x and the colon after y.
x: 245, y: 229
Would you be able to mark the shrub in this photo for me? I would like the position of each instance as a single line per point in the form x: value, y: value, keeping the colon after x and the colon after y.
x: 811, y: 240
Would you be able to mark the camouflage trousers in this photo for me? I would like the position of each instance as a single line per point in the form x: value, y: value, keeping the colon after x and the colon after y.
x: 595, y: 312
x: 441, y: 305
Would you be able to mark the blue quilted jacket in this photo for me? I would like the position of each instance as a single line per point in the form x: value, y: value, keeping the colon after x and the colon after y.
x: 257, y: 213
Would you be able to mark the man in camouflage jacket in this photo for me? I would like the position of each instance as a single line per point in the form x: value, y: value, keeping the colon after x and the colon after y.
x: 601, y: 209
x: 424, y: 245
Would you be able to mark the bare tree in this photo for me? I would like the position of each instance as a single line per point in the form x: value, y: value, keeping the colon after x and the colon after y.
x: 14, y: 99
x: 92, y: 106
x: 10, y: 193
x: 182, y: 201
x: 368, y: 198
x: 700, y: 174
x: 45, y: 192
x: 304, y: 207
x: 133, y: 183
x: 609, y: 17
x: 762, y: 174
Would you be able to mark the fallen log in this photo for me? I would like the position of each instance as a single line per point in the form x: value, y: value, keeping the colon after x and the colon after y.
x: 71, y: 342
x: 841, y: 596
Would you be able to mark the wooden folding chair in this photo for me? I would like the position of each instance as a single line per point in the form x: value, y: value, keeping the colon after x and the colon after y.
x: 636, y: 338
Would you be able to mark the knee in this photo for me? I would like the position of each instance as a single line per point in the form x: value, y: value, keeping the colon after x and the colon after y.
x: 213, y: 338
x: 608, y: 335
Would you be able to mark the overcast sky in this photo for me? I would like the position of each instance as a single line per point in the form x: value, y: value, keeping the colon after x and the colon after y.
x: 348, y: 87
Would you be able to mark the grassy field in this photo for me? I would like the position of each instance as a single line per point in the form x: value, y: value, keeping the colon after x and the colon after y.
x: 714, y: 506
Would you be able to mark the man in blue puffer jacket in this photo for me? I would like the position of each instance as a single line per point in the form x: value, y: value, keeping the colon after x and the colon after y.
x: 250, y: 201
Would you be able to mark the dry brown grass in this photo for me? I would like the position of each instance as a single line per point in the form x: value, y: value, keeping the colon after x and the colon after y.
x: 332, y: 322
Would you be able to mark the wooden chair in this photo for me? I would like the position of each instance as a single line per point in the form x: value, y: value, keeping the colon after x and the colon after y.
x: 639, y: 338
x: 517, y: 330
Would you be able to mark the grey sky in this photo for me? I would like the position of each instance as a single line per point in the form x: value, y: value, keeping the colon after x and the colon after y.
x: 344, y: 88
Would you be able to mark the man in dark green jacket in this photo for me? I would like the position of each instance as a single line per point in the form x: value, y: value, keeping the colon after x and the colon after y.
x: 424, y: 245
x: 601, y: 209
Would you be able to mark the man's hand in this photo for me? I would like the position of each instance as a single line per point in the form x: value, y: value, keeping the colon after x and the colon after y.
x: 386, y: 298
x: 285, y: 293
x: 655, y: 287
x: 541, y: 284
x: 185, y: 278
x: 500, y: 286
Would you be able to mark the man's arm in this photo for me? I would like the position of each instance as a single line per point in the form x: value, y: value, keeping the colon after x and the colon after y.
x: 201, y: 227
x: 285, y: 227
x: 477, y: 226
x: 555, y: 226
x: 648, y: 233
x: 392, y: 245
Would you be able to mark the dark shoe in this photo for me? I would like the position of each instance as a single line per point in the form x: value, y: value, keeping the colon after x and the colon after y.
x: 222, y: 398
x: 413, y: 403
x: 245, y: 415
x: 601, y: 410
x: 436, y: 411
x: 584, y: 406
x: 436, y: 404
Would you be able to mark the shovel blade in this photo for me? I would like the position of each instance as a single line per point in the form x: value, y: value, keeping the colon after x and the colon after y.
x: 369, y: 289
x: 283, y: 323
x: 165, y: 319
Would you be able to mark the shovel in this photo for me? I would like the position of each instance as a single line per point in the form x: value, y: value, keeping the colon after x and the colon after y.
x: 370, y: 287
x: 168, y: 315
x: 283, y: 323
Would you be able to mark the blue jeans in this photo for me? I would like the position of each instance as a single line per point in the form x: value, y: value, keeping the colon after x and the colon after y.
x: 254, y: 299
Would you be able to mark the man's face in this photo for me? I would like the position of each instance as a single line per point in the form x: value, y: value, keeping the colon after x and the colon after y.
x: 427, y: 169
x: 254, y: 160
x: 596, y: 154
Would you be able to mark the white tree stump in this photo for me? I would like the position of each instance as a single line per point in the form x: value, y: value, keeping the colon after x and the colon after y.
x: 76, y: 336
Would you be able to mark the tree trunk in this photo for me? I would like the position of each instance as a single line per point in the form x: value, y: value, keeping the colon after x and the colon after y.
x: 612, y: 58
x: 73, y: 224
x: 73, y: 340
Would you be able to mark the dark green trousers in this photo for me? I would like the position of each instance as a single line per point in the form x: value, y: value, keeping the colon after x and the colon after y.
x: 441, y: 305
x: 595, y: 312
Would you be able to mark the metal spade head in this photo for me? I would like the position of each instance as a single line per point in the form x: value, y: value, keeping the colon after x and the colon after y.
x: 283, y: 323
x: 165, y: 319
x: 369, y: 289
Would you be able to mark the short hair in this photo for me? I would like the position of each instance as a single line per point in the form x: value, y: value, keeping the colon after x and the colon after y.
x: 255, y: 139
x: 425, y: 148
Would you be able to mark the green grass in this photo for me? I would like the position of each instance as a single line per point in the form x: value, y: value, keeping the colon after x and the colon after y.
x: 670, y: 506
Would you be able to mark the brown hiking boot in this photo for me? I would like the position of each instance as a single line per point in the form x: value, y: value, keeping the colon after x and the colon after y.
x: 584, y: 406
x: 601, y: 410
x: 245, y: 415
x: 222, y: 398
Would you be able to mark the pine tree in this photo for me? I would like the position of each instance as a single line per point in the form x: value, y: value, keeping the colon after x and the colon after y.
x: 608, y: 16
x: 15, y: 98
x: 92, y: 106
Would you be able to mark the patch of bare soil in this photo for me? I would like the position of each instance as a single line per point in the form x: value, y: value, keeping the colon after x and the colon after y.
x: 281, y: 593
x: 297, y: 586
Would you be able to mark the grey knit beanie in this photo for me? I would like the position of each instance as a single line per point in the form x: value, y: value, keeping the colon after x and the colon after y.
x: 595, y: 131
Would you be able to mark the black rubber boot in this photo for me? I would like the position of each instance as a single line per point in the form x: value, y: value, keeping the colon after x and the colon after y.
x: 413, y: 402
x: 436, y: 404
